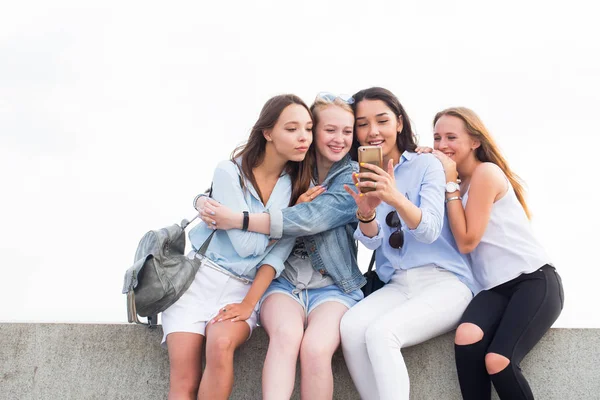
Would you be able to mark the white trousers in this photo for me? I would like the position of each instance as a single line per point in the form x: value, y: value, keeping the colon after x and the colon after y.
x: 416, y: 305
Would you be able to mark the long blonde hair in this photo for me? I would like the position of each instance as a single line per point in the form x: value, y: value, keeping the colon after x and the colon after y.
x: 488, y: 151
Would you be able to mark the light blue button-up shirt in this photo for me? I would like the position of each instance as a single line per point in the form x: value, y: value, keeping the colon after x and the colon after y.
x: 242, y: 252
x: 421, y: 179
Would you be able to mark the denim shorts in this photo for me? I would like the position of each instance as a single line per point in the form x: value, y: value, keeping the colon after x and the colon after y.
x: 310, y: 299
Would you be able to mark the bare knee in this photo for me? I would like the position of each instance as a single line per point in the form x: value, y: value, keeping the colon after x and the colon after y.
x: 316, y: 353
x: 468, y: 333
x: 220, y: 350
x: 286, y: 337
x: 495, y: 363
x: 183, y: 384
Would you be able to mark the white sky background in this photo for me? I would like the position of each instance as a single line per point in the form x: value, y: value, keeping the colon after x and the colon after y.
x: 113, y: 116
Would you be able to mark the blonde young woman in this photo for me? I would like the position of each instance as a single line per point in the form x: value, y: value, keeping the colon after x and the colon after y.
x: 219, y: 308
x: 302, y: 309
x: 522, y: 293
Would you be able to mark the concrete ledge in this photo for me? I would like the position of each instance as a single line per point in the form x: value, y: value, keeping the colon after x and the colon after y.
x: 80, y: 361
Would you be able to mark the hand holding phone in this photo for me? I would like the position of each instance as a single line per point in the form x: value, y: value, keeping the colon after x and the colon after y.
x: 369, y: 155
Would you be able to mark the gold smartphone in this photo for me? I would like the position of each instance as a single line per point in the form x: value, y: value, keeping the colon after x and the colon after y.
x: 369, y: 155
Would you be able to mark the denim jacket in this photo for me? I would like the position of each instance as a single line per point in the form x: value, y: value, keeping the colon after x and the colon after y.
x: 327, y: 226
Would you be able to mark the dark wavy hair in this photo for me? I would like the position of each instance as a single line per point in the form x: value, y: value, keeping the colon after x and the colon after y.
x: 252, y: 153
x: 406, y: 139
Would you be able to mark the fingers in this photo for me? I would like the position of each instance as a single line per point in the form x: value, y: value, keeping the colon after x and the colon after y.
x: 207, y: 215
x: 390, y: 168
x: 199, y: 205
x: 204, y: 201
x: 370, y: 184
x: 228, y: 312
x: 439, y: 155
x: 213, y: 203
x: 233, y: 313
x: 219, y: 315
x: 369, y: 175
x: 316, y: 191
x: 373, y: 168
x: 352, y: 193
x: 209, y: 209
x: 208, y: 220
x: 423, y: 149
x: 311, y: 194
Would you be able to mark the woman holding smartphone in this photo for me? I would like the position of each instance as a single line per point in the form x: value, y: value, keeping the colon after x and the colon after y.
x: 522, y: 293
x: 239, y: 265
x: 428, y: 282
x: 302, y: 309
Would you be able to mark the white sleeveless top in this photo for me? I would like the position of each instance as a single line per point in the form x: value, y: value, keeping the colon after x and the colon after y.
x: 508, y: 247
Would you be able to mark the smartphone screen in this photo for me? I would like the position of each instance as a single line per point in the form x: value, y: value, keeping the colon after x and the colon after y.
x: 369, y: 155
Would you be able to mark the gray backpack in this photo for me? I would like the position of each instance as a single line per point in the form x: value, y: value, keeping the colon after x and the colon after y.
x: 161, y: 272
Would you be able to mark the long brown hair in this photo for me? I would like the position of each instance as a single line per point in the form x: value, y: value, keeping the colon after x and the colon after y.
x: 406, y: 139
x: 488, y: 151
x: 252, y: 152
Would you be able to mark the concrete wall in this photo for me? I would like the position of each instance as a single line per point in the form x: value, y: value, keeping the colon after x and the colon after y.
x: 76, y: 361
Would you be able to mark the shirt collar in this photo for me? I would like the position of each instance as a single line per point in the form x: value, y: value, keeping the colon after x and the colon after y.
x: 406, y: 156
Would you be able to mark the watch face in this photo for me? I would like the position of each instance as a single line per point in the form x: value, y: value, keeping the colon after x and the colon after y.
x: 452, y: 187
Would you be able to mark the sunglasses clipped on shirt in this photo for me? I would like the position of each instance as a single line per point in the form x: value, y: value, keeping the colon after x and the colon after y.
x: 346, y: 98
x: 396, y: 239
x: 392, y: 220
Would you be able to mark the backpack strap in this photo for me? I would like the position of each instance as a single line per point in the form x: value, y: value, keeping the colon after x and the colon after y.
x: 372, y: 262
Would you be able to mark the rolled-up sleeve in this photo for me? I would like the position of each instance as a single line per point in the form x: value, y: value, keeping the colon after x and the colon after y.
x: 276, y: 227
x: 228, y: 191
x: 277, y: 256
x: 431, y: 204
x: 371, y: 243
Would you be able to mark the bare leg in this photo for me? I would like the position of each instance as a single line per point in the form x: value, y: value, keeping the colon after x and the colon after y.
x: 321, y: 339
x: 283, y: 320
x: 222, y: 338
x: 185, y: 361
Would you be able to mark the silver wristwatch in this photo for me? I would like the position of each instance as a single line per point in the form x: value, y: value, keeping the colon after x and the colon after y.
x: 452, y: 187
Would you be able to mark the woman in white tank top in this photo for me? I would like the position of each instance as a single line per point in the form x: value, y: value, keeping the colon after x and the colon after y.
x: 521, y: 293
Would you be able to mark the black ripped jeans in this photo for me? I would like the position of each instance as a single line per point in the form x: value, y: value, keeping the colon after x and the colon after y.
x: 513, y: 317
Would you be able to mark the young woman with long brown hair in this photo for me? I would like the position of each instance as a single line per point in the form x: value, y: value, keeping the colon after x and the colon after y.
x: 428, y: 282
x: 220, y: 306
x: 521, y: 293
x: 301, y: 310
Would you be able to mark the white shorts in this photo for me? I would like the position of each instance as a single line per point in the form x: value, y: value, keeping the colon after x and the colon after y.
x: 210, y: 291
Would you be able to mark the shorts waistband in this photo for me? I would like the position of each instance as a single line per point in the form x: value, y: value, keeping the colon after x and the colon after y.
x: 207, y: 262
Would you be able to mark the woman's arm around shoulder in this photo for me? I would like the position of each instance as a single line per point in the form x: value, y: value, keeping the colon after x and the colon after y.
x: 330, y: 209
